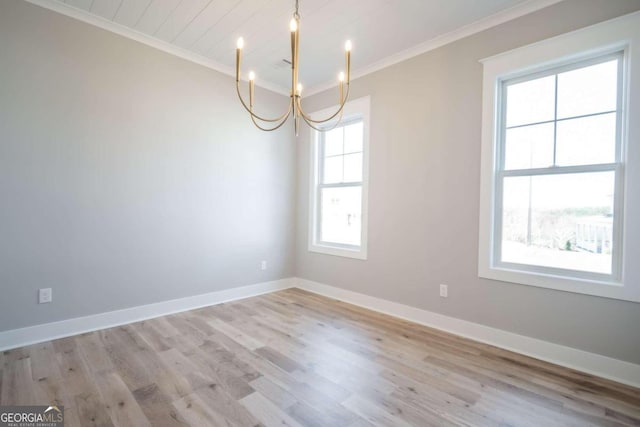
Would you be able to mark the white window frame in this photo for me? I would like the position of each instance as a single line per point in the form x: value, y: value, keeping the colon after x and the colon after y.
x: 358, y: 109
x: 617, y: 35
x: 615, y: 167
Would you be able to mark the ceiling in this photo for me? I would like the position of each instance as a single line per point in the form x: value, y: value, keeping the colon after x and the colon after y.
x: 382, y: 31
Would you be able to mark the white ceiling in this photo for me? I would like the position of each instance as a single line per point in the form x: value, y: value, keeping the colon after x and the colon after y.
x: 382, y: 31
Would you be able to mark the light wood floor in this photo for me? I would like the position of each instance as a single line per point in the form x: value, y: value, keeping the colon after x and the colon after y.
x: 295, y: 358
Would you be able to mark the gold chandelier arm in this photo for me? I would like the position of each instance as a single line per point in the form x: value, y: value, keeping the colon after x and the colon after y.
x: 295, y: 103
x: 308, y: 119
x: 250, y: 110
x: 278, y: 126
x: 312, y: 125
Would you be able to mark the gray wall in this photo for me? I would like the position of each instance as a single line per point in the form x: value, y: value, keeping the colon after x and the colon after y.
x: 424, y: 195
x: 128, y: 176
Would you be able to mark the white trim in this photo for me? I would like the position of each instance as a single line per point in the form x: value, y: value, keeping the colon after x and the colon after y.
x: 49, y: 331
x: 130, y: 33
x: 591, y: 363
x: 570, y: 49
x: 594, y: 364
x: 468, y: 30
x: 336, y: 251
x: 605, y: 37
x: 465, y: 31
x: 360, y: 108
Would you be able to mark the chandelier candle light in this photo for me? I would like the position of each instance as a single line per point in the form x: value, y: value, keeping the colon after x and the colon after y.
x: 295, y: 104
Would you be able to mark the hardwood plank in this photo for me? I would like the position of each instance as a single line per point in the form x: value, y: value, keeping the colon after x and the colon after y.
x: 75, y: 378
x: 40, y: 354
x: 119, y: 402
x: 265, y: 411
x: 170, y: 382
x: 92, y: 410
x: 373, y: 413
x: 157, y: 407
x: 121, y: 349
x: 197, y: 413
x: 300, y: 359
x: 278, y: 359
x: 92, y: 351
x: 310, y: 416
x: 276, y: 394
x: 17, y: 383
x: 235, y: 334
x: 235, y: 385
x: 322, y: 384
x: 152, y: 336
x: 222, y: 403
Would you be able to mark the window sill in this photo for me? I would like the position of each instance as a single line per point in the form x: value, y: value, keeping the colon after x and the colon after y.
x: 339, y: 251
x: 600, y: 288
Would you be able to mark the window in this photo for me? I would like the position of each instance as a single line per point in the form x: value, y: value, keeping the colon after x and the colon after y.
x: 557, y: 163
x: 339, y: 184
x: 557, y: 196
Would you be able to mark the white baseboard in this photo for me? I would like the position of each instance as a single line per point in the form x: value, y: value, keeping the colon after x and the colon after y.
x: 595, y: 364
x: 591, y: 363
x: 39, y: 333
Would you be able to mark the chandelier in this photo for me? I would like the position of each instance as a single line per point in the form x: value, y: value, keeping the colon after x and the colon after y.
x: 295, y: 104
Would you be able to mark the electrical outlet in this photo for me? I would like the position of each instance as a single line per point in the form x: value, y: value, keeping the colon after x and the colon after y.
x: 444, y: 291
x: 263, y: 265
x: 45, y: 295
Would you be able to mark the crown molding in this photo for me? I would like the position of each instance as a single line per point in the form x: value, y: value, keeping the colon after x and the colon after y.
x: 494, y: 20
x: 114, y: 27
x: 473, y: 28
